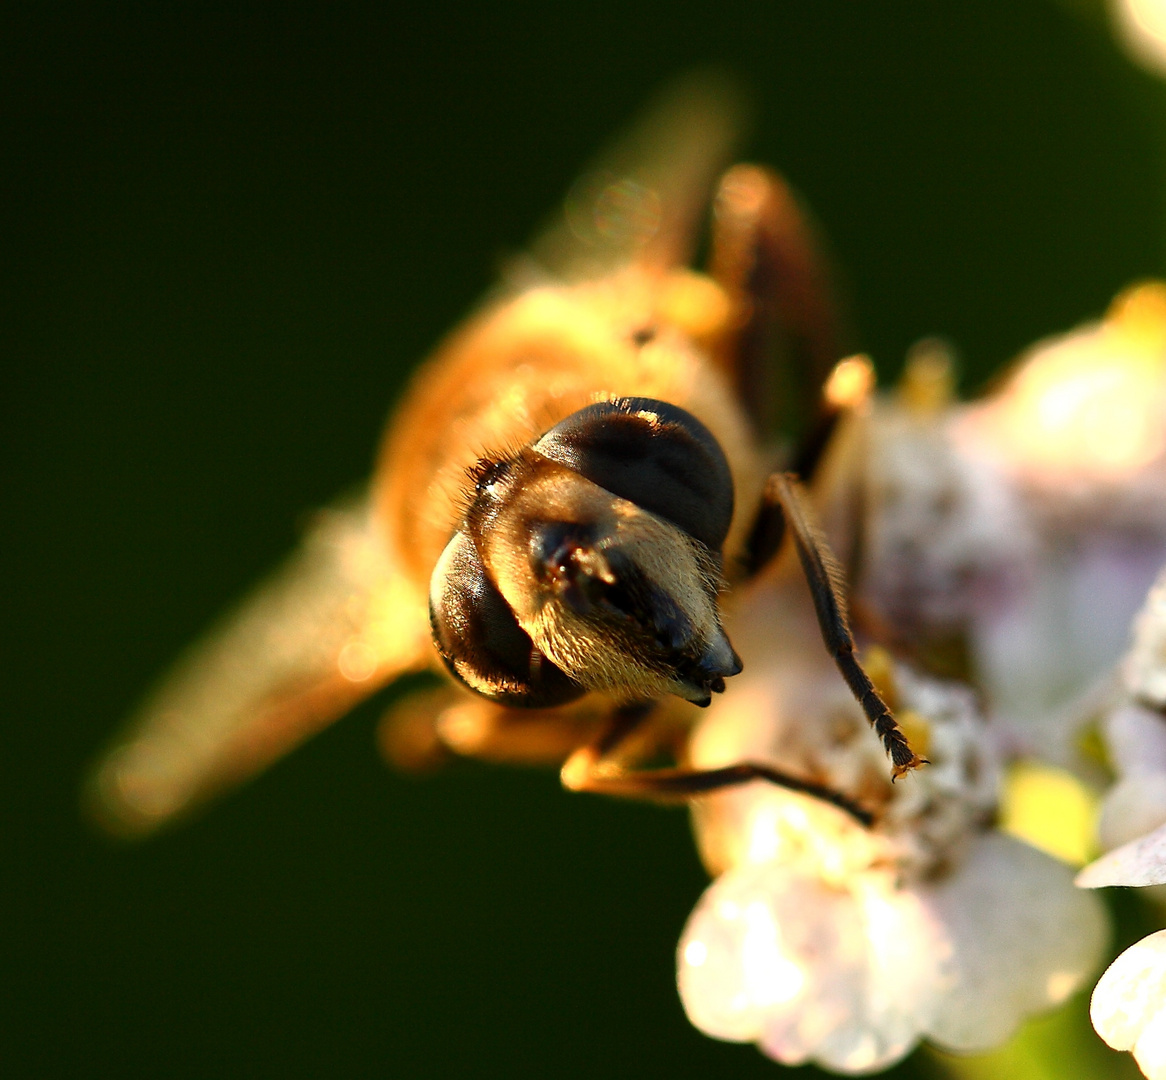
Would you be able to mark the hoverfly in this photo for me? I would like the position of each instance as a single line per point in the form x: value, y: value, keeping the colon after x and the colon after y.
x: 567, y: 490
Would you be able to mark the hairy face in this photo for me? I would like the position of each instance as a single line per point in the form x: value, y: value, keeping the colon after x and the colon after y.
x: 617, y: 597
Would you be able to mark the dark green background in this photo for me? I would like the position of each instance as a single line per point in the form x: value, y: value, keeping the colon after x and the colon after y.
x: 228, y: 232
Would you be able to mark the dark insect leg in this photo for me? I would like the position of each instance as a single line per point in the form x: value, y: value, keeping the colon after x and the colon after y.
x: 826, y: 588
x: 592, y: 769
x: 764, y: 539
x: 789, y: 332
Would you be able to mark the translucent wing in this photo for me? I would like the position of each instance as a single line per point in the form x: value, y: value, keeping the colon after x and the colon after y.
x: 326, y: 630
x: 641, y: 200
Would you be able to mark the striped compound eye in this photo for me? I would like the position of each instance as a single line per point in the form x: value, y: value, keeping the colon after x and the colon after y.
x: 653, y: 454
x: 590, y: 560
x: 480, y: 639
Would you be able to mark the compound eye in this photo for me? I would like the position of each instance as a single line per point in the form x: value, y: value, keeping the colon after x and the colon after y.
x: 480, y: 640
x: 653, y: 454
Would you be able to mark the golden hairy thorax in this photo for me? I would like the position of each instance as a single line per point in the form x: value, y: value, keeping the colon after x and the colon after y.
x: 517, y: 369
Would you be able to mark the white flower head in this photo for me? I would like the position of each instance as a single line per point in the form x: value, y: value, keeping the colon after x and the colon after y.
x: 944, y: 534
x: 1081, y: 420
x: 826, y: 941
x: 1077, y: 434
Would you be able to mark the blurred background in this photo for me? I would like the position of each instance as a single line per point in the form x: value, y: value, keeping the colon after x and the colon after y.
x: 229, y: 231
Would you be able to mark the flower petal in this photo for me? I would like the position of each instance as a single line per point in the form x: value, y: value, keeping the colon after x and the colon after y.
x: 1134, y: 807
x: 1021, y: 941
x: 844, y: 975
x: 763, y: 938
x: 1128, y: 1007
x: 899, y: 992
x: 1145, y: 664
x: 1138, y: 863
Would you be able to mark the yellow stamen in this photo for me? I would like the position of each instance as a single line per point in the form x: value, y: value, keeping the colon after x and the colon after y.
x: 1050, y: 809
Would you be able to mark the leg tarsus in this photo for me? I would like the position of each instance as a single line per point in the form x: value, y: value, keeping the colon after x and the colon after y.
x: 846, y: 390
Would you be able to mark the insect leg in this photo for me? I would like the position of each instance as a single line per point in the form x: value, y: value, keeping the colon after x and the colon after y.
x: 847, y: 390
x: 826, y: 588
x: 427, y: 729
x: 592, y: 768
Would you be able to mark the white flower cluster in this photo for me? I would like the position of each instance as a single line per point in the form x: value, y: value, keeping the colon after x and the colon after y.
x: 1129, y: 1003
x: 826, y: 941
x: 1008, y: 543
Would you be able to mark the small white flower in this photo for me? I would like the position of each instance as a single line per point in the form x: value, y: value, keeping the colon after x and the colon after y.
x: 1081, y: 419
x: 1029, y: 526
x: 828, y: 942
x: 945, y: 535
x: 980, y: 525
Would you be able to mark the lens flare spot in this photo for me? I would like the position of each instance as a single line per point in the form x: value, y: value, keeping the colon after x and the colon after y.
x: 728, y: 910
x: 696, y: 953
x: 357, y: 661
x: 606, y: 209
x: 1060, y: 985
x: 1141, y: 27
x: 628, y: 211
x: 850, y: 383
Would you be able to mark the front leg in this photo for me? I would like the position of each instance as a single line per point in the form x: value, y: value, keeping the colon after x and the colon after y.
x: 426, y: 729
x: 846, y: 392
x: 597, y: 768
x: 783, y: 493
